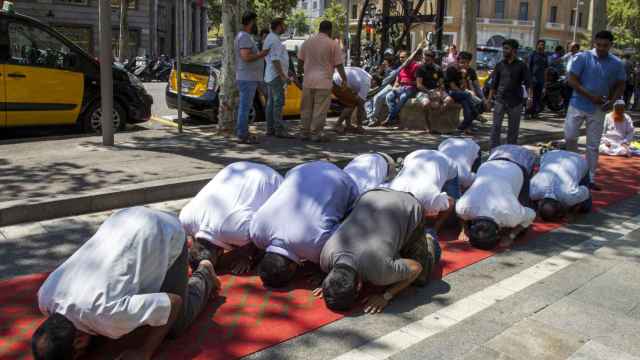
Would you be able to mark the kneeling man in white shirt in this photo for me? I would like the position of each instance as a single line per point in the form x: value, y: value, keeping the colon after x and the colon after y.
x: 219, y: 217
x: 465, y: 154
x: 432, y: 178
x: 561, y: 185
x: 296, y: 221
x: 369, y: 171
x: 132, y: 274
x: 490, y: 209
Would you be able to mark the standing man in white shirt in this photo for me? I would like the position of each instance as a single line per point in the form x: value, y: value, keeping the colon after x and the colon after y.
x: 277, y: 78
x: 132, y: 273
x: 465, y: 154
x: 561, y: 184
x: 359, y: 82
x: 371, y: 170
x: 493, y: 209
x: 432, y: 178
x: 296, y: 221
x: 219, y: 217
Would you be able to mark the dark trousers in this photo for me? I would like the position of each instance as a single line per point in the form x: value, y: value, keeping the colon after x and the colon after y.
x: 422, y: 247
x: 536, y: 106
x: 464, y: 99
x: 628, y: 94
x: 514, y: 114
x: 586, y: 205
x: 194, y: 290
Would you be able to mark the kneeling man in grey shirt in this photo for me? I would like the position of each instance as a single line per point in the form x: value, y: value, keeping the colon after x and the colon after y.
x: 381, y: 242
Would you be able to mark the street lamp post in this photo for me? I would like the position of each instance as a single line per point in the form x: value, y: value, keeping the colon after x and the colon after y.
x: 106, y: 72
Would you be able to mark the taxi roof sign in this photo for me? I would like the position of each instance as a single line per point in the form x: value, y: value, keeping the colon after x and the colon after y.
x: 8, y: 7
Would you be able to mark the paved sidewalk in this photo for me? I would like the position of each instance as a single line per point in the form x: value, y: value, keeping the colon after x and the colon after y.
x: 78, y: 175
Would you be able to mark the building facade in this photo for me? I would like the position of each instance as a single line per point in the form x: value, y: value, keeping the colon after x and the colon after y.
x: 498, y: 20
x: 151, y: 24
x: 312, y: 8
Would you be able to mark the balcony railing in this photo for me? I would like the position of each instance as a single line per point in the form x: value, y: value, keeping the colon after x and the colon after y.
x: 554, y: 26
x: 511, y: 22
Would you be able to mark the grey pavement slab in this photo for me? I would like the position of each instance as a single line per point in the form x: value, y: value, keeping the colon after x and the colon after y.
x: 530, y: 339
x: 485, y: 353
x: 593, y: 350
x: 605, y: 326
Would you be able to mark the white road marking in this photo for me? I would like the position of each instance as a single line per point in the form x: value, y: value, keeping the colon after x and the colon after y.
x: 415, y: 332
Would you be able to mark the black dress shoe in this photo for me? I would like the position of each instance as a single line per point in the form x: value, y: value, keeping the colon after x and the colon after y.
x: 594, y: 187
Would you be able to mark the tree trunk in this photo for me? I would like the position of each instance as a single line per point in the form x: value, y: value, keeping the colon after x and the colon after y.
x: 357, y: 41
x: 231, y: 15
x: 598, y: 18
x: 123, y: 40
x: 468, y: 38
x: 539, y: 22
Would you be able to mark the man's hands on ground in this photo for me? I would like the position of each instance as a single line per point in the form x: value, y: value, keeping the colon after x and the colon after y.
x: 317, y: 292
x: 374, y: 304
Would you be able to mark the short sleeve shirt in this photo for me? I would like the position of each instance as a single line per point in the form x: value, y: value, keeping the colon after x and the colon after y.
x: 407, y: 76
x: 368, y: 171
x: 277, y: 52
x: 320, y: 55
x: 423, y: 174
x: 494, y: 195
x: 371, y: 237
x: 453, y: 75
x: 597, y: 75
x: 463, y: 152
x: 111, y: 285
x: 431, y: 75
x: 306, y: 209
x: 559, y: 178
x: 222, y: 211
x: 247, y: 71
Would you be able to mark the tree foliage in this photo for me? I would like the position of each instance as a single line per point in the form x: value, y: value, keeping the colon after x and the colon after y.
x: 215, y: 13
x: 268, y: 10
x: 299, y: 23
x: 624, y: 19
x: 335, y: 13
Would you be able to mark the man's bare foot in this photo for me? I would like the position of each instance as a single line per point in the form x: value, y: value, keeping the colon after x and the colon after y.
x: 463, y: 236
x: 217, y: 285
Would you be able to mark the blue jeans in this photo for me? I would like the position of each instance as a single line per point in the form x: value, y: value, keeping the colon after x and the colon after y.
x: 464, y: 99
x: 275, y: 104
x: 396, y: 100
x: 378, y: 102
x: 247, y: 93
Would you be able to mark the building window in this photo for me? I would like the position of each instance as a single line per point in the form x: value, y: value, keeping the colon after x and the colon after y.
x: 499, y: 9
x: 354, y: 11
x: 315, y: 5
x: 553, y: 15
x: 446, y: 8
x: 134, y: 42
x: 479, y: 6
x: 580, y: 19
x: 305, y: 5
x: 80, y: 35
x: 573, y: 18
x: 523, y: 13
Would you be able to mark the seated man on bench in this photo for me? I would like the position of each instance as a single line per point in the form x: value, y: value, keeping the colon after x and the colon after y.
x: 218, y: 218
x: 381, y: 242
x: 494, y: 209
x: 294, y: 224
x: 129, y: 281
x: 561, y: 185
x: 371, y: 170
x: 432, y: 178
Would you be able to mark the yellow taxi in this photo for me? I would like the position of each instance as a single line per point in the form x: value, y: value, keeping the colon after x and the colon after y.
x: 45, y: 79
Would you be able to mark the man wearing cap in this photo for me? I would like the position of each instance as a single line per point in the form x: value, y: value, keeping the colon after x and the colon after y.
x: 618, y: 132
x: 561, y: 185
x: 381, y: 242
x: 218, y: 218
x: 296, y: 221
x: 465, y: 154
x: 131, y: 275
x: 371, y: 170
x: 495, y: 208
x: 432, y: 178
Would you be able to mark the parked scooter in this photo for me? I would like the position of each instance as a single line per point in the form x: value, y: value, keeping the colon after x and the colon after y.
x: 162, y: 69
x: 143, y: 68
x: 554, y: 90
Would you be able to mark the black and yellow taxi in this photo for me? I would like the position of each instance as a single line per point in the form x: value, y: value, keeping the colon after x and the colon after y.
x: 200, y: 74
x: 45, y: 79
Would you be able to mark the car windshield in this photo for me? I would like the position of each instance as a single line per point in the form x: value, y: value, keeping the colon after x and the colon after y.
x: 208, y: 56
x: 488, y: 58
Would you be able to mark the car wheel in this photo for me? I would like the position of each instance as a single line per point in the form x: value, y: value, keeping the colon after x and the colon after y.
x: 93, y: 119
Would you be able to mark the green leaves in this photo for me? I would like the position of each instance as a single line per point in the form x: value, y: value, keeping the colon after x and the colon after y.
x: 624, y: 19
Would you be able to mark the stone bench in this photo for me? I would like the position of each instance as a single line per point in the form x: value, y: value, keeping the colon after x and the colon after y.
x: 414, y: 116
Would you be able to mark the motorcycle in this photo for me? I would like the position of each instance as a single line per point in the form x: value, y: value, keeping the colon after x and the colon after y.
x: 162, y: 69
x: 143, y: 68
x: 553, y: 93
